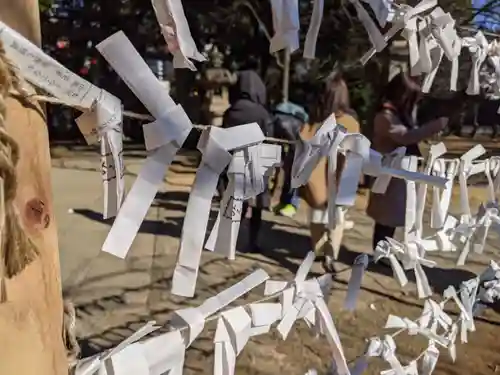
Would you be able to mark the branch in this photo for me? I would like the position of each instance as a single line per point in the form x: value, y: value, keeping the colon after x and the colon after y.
x: 261, y: 23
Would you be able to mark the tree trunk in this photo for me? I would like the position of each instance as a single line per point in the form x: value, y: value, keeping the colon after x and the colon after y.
x: 31, y: 318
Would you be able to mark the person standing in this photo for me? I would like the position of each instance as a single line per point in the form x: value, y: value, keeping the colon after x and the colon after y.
x: 333, y: 99
x: 247, y: 105
x: 394, y: 126
x: 289, y: 119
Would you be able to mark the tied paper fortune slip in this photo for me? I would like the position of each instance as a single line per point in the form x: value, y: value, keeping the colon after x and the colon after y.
x: 102, y: 117
x: 247, y: 178
x: 215, y: 145
x: 175, y: 30
x: 163, y: 137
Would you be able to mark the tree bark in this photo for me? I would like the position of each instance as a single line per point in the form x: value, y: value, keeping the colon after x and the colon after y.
x: 31, y: 318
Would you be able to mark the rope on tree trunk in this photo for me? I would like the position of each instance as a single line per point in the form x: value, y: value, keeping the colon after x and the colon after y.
x: 69, y: 334
x: 17, y: 248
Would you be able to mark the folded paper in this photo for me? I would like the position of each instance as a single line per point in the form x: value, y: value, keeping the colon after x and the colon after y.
x: 247, y: 178
x: 215, y: 145
x: 102, y: 118
x: 175, y: 30
x: 163, y: 137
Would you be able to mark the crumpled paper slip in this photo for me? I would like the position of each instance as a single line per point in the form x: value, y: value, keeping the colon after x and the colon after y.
x: 468, y: 295
x: 215, y: 144
x: 163, y: 139
x: 354, y: 286
x: 429, y: 360
x: 302, y: 297
x: 401, y: 18
x: 246, y: 175
x: 308, y: 153
x: 286, y: 24
x: 384, y: 249
x: 434, y: 318
x: 410, y: 32
x: 313, y: 31
x: 231, y: 336
x: 175, y: 30
x: 478, y: 48
x: 102, y: 118
x: 443, y: 30
x: 383, y: 348
x: 489, y: 291
x: 487, y: 215
x: 413, y: 328
x: 413, y: 259
x: 127, y: 358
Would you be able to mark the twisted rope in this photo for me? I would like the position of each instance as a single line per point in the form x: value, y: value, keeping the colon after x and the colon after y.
x: 17, y: 249
x: 69, y: 334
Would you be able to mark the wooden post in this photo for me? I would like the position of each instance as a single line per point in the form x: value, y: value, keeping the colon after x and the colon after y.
x: 31, y: 318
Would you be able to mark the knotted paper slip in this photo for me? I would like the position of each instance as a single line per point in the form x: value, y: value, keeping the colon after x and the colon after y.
x: 102, y: 118
x: 303, y: 299
x: 402, y: 17
x: 175, y: 30
x: 246, y: 175
x: 165, y: 353
x: 163, y: 138
x: 478, y: 48
x: 360, y: 158
x: 215, y: 145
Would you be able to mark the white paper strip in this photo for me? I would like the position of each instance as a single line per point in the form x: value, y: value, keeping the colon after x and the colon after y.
x: 286, y: 24
x: 175, y: 30
x: 354, y: 286
x: 214, y: 144
x: 103, y: 117
x: 478, y: 48
x: 231, y: 336
x: 164, y: 137
x: 313, y: 31
x: 244, y: 183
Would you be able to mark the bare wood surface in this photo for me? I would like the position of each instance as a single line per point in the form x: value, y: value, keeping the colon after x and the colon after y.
x: 31, y: 319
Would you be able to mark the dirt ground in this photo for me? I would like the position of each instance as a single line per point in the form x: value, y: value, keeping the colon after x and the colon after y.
x: 115, y: 297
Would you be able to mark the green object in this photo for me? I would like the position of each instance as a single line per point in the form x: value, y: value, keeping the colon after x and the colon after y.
x: 288, y: 210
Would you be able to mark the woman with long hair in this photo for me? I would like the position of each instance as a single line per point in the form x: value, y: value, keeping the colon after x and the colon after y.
x: 334, y: 99
x: 394, y: 126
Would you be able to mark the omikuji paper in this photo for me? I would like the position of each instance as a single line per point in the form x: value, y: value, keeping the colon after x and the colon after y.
x: 164, y: 137
x: 175, y: 30
x: 102, y: 118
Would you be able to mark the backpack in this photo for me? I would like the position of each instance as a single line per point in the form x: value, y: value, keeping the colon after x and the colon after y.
x: 288, y: 121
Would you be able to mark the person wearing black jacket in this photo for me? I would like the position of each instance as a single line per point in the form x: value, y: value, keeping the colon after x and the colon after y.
x: 248, y: 104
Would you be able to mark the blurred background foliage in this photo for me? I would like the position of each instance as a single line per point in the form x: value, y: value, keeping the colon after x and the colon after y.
x: 239, y: 30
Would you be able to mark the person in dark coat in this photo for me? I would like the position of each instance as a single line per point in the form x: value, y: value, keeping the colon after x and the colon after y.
x: 248, y: 104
